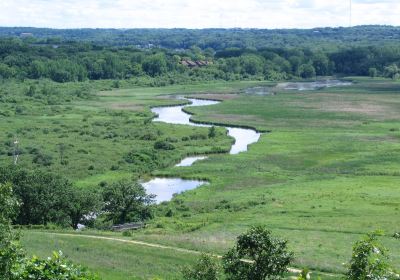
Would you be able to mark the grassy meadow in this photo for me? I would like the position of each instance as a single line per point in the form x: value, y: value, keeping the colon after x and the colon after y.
x: 327, y: 173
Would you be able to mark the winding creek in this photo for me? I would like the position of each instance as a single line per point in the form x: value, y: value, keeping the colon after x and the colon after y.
x: 165, y: 188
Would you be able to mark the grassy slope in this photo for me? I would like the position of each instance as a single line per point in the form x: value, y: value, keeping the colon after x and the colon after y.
x: 114, y: 257
x: 109, y: 259
x: 326, y: 174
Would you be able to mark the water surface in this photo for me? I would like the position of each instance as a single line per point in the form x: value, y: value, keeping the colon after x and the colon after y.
x: 190, y: 160
x: 174, y: 115
x: 299, y: 86
x: 165, y: 188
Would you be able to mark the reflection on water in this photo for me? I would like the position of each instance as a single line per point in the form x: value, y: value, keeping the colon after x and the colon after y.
x: 164, y: 188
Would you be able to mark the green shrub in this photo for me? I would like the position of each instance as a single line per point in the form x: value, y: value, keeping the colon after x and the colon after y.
x: 163, y: 145
x: 43, y: 159
x: 206, y: 268
x: 268, y: 256
x: 369, y: 260
x: 54, y: 268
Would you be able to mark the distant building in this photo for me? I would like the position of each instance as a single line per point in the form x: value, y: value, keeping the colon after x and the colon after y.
x: 195, y: 63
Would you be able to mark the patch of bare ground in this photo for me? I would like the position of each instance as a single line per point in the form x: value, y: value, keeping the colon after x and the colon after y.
x: 215, y: 96
x: 359, y: 107
x: 328, y: 102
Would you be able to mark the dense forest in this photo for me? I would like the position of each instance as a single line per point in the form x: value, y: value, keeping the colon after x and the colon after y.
x: 218, y: 39
x: 80, y: 61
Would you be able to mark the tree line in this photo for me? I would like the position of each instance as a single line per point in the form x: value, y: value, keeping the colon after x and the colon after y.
x: 216, y: 38
x: 79, y: 61
x: 45, y: 198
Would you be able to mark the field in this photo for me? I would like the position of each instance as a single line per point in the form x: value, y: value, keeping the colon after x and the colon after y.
x: 326, y: 174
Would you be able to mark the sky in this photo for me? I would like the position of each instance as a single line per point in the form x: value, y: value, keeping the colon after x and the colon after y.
x: 197, y: 13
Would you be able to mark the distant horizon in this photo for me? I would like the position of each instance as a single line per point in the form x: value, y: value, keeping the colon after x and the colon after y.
x: 191, y: 14
x: 205, y: 28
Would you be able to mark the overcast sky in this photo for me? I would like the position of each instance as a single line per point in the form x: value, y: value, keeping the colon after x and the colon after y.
x: 197, y: 13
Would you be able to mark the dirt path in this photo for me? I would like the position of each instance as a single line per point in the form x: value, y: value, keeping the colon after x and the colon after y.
x: 154, y: 245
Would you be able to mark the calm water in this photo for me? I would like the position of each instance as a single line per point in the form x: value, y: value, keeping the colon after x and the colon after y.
x: 299, y: 86
x: 164, y: 188
x: 243, y: 138
x: 174, y: 115
x: 190, y: 160
x: 314, y: 85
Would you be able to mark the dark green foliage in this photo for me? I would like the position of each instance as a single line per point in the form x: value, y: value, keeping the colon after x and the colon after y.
x: 206, y: 268
x: 77, y: 61
x: 306, y: 71
x: 266, y: 257
x: 42, y: 159
x: 369, y: 260
x: 211, y: 39
x: 212, y: 132
x: 163, y: 145
x: 83, y: 205
x: 155, y: 65
x: 47, y: 198
x: 44, y: 198
x: 13, y: 263
x: 126, y: 201
x: 9, y: 249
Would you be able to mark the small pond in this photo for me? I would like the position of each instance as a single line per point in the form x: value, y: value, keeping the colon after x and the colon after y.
x: 165, y: 188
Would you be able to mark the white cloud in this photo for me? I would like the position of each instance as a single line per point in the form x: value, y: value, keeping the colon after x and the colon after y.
x: 196, y: 13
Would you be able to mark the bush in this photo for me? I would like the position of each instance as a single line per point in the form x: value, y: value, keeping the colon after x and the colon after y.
x: 163, y: 145
x: 369, y: 260
x: 268, y: 256
x: 206, y: 268
x: 43, y: 159
x: 55, y: 268
x: 169, y: 213
x: 212, y: 132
